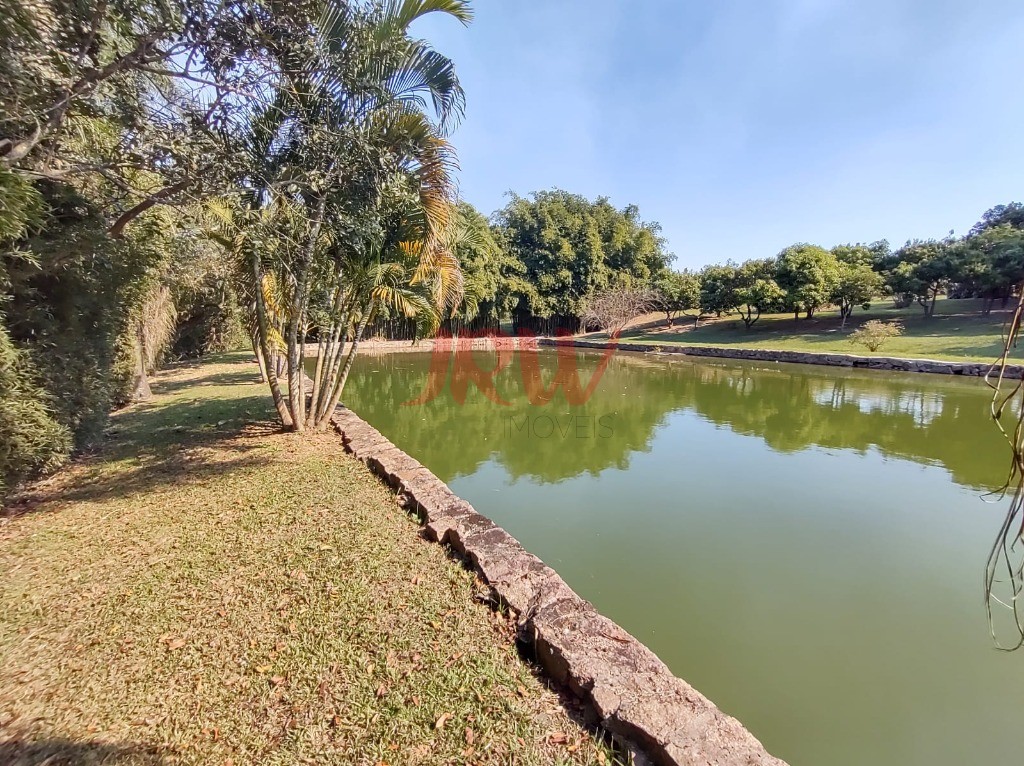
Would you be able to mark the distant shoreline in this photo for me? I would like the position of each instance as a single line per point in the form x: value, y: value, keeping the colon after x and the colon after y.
x: 829, y: 359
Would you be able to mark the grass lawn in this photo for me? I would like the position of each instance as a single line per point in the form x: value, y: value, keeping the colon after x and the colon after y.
x: 958, y: 332
x: 207, y: 590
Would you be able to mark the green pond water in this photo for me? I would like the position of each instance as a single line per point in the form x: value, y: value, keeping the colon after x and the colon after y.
x: 805, y: 545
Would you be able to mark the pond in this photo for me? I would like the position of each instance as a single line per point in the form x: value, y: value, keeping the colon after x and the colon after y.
x: 805, y: 545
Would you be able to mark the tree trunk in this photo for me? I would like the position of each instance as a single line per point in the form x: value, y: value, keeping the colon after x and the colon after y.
x: 271, y: 360
x: 332, y: 369
x: 296, y: 399
x: 141, y: 392
x: 325, y: 418
x: 324, y: 359
x: 259, y: 359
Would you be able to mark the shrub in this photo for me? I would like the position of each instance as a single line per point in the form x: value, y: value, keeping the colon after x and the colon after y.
x: 31, y: 440
x: 613, y: 309
x: 875, y: 333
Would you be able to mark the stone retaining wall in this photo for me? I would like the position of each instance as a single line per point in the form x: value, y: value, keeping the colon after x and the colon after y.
x: 899, y: 364
x: 633, y: 693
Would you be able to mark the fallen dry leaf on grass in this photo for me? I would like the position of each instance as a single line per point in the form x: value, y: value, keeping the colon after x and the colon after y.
x: 445, y: 717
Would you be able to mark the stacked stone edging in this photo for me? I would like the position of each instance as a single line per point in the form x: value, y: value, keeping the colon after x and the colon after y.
x: 634, y: 693
x: 970, y: 369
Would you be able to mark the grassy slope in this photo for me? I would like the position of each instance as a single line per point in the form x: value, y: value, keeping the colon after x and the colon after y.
x: 957, y: 332
x: 207, y: 591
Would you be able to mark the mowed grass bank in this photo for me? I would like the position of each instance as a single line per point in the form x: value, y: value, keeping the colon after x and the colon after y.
x: 208, y: 590
x: 957, y: 332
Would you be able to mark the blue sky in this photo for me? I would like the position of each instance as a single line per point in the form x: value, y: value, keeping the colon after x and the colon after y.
x: 743, y: 127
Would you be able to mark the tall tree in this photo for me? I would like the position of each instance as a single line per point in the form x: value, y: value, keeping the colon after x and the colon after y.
x: 990, y: 264
x: 346, y: 151
x: 718, y: 288
x: 678, y: 292
x: 491, y: 275
x: 856, y: 284
x: 808, y: 274
x: 922, y: 269
x: 755, y: 290
x: 1011, y: 214
x: 156, y: 88
x: 572, y: 248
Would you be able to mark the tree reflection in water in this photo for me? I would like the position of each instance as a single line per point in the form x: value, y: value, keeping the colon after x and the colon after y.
x: 925, y: 418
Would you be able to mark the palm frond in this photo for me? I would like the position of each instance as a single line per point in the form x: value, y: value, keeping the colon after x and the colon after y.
x: 399, y: 14
x: 424, y: 69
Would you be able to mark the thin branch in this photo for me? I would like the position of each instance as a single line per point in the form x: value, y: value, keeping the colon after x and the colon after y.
x: 117, y: 229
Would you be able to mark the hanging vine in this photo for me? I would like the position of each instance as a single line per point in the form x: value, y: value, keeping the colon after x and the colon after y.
x: 1004, y: 573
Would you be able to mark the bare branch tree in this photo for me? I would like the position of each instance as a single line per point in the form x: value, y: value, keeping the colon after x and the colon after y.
x: 613, y: 309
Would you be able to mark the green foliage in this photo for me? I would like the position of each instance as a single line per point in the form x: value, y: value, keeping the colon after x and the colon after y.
x: 31, y: 440
x: 348, y: 207
x: 756, y: 294
x: 919, y: 271
x: 808, y: 274
x: 856, y: 285
x: 676, y: 292
x: 203, y: 285
x: 874, y: 333
x: 97, y: 127
x: 718, y: 288
x: 572, y: 248
x: 989, y: 264
x: 67, y: 287
x: 490, y: 276
x: 860, y: 254
x: 1001, y: 215
x: 750, y: 289
x: 21, y: 205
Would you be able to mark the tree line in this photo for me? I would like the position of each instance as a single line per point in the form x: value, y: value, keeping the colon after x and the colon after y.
x: 558, y: 260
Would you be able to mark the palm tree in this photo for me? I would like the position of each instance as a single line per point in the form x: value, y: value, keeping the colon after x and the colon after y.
x: 349, y: 141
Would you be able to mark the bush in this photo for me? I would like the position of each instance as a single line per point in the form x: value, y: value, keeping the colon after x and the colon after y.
x: 31, y: 440
x: 69, y: 287
x: 210, y: 316
x: 613, y: 309
x: 875, y: 333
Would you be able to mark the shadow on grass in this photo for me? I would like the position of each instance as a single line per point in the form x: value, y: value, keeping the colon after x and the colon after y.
x: 185, y: 440
x: 220, y: 379
x: 62, y: 752
x: 951, y: 332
